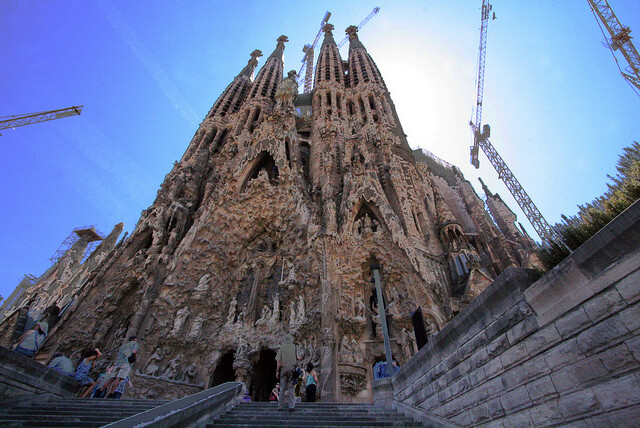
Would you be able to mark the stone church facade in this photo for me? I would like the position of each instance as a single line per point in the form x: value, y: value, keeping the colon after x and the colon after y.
x: 270, y: 223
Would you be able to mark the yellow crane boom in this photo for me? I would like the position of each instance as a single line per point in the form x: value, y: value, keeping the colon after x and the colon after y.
x: 28, y: 119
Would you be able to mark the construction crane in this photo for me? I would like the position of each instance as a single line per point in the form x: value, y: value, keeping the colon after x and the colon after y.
x: 28, y: 119
x: 481, y: 140
x: 307, y: 60
x: 364, y: 21
x: 620, y: 40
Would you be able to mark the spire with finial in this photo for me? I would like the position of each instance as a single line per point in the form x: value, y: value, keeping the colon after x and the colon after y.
x: 270, y: 74
x: 329, y: 67
x: 354, y: 41
x: 251, y: 65
x: 279, y: 50
x: 361, y: 65
x: 235, y: 94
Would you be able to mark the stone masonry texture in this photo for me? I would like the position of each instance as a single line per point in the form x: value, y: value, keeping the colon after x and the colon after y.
x: 559, y: 350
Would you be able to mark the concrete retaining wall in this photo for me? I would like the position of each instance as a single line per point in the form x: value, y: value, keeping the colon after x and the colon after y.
x: 21, y: 376
x: 562, y: 349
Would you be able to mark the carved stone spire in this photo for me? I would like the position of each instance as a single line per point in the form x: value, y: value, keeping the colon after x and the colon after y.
x: 249, y: 69
x: 279, y: 50
x: 328, y: 34
x: 354, y: 41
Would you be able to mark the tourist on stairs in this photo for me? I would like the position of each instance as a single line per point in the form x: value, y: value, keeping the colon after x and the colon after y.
x: 287, y: 372
x: 311, y: 381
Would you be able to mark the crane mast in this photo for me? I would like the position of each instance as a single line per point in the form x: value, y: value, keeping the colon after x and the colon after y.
x: 307, y: 59
x: 481, y: 140
x: 620, y: 39
x: 482, y: 53
x: 28, y: 119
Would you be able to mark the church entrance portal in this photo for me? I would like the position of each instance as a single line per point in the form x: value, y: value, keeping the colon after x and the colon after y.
x: 264, y: 376
x: 224, y: 371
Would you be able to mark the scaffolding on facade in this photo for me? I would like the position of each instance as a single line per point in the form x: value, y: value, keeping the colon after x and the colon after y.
x: 89, y: 233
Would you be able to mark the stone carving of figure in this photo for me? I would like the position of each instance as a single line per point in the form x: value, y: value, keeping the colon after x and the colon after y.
x: 407, y: 344
x: 346, y: 351
x: 190, y: 374
x: 172, y: 369
x: 301, y: 310
x: 178, y: 321
x: 153, y: 363
x: 264, y: 316
x: 359, y: 307
x: 196, y: 327
x: 292, y: 314
x: 275, y: 315
x: 287, y: 90
x: 240, y: 319
x: 203, y: 286
x: 232, y: 311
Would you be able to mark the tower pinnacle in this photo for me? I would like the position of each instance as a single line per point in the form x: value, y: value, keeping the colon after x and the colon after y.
x: 252, y: 64
x: 354, y: 41
x: 279, y: 50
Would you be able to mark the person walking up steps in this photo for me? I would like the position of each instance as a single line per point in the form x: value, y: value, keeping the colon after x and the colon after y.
x: 287, y: 372
x: 311, y: 381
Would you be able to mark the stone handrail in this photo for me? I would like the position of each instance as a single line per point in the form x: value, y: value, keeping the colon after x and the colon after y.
x: 194, y: 410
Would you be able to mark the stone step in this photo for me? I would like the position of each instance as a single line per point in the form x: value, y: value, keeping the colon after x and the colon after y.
x: 49, y: 424
x: 35, y: 412
x: 55, y: 420
x: 311, y: 415
x: 295, y: 424
x: 342, y: 422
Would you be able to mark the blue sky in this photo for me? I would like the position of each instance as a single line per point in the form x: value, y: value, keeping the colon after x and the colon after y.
x: 148, y: 72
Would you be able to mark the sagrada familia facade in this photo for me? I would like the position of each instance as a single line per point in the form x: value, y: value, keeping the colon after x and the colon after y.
x: 269, y: 224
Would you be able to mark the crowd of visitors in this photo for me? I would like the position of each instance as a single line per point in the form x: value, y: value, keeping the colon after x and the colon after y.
x: 30, y: 333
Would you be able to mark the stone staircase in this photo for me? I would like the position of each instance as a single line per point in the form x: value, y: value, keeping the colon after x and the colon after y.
x: 72, y: 412
x: 308, y: 415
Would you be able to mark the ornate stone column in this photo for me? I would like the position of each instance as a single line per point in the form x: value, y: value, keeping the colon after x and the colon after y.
x: 327, y: 336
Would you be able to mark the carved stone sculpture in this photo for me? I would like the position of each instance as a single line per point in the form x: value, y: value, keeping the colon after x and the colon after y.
x: 190, y: 374
x: 153, y: 363
x: 194, y: 332
x: 178, y: 322
x: 231, y: 317
x: 172, y: 369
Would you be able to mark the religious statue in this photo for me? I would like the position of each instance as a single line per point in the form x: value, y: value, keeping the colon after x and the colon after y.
x: 287, y: 90
x: 232, y: 311
x: 190, y: 374
x: 153, y: 363
x: 178, y: 322
x: 202, y: 287
x: 301, y: 310
x: 407, y: 344
x: 172, y: 369
x: 196, y: 327
x: 264, y: 316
